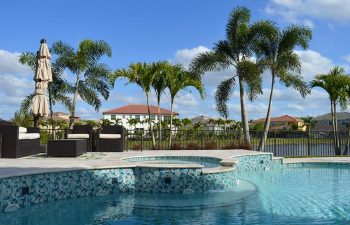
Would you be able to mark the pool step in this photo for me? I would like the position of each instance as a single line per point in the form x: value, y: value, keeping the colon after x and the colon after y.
x: 229, y: 162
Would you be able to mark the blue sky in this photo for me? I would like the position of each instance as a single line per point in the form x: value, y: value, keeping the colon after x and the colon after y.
x: 168, y: 30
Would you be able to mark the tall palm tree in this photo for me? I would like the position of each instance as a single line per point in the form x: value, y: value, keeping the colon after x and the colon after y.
x: 92, y: 78
x: 235, y: 51
x: 159, y: 86
x: 337, y: 84
x: 178, y: 79
x: 143, y: 75
x: 275, y: 51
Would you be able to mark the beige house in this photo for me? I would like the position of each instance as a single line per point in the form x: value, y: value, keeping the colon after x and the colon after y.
x: 284, y: 122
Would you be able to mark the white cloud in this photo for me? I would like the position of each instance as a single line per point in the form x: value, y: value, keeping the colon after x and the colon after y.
x: 185, y: 57
x: 9, y: 64
x: 300, y: 10
x: 313, y: 63
x: 347, y: 58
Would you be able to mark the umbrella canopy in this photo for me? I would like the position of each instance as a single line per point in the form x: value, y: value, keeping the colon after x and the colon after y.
x: 39, y: 101
x: 43, y: 76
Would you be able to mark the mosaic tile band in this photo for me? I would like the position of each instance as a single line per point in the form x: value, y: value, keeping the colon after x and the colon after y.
x: 17, y: 192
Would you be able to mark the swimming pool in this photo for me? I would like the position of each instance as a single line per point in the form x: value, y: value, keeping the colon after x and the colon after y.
x: 294, y: 194
x: 206, y: 162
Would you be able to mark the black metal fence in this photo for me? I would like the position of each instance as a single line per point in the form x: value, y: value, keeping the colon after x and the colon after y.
x: 280, y: 143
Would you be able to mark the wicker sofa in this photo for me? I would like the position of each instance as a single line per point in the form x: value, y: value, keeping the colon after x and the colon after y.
x: 111, y: 139
x: 81, y: 132
x: 19, y: 141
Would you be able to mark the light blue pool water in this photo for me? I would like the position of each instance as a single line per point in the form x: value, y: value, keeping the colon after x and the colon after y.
x: 300, y: 195
x: 206, y: 162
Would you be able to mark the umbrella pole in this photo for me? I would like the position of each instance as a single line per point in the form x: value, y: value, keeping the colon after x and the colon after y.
x: 36, y: 121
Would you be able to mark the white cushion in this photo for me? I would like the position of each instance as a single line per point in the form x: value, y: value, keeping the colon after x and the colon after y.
x: 110, y: 136
x: 78, y: 136
x: 22, y: 130
x: 28, y: 136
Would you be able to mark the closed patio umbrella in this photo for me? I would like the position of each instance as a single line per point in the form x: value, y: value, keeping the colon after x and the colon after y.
x: 42, y: 77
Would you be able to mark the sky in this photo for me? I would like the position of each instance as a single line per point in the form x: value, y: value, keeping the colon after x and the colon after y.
x: 147, y: 31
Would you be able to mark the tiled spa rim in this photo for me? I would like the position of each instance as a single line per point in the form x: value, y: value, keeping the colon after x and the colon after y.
x: 22, y: 191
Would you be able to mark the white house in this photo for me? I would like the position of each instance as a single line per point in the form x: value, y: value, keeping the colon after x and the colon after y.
x: 140, y: 112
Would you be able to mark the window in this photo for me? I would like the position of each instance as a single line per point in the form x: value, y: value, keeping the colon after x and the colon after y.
x: 113, y: 117
x: 166, y: 118
x: 137, y: 117
x: 153, y: 117
x: 123, y: 116
x: 330, y: 122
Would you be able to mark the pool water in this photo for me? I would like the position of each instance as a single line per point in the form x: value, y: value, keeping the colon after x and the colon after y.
x: 300, y: 195
x: 206, y: 162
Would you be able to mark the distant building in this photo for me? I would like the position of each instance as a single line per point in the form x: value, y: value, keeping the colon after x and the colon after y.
x: 208, y: 123
x: 139, y: 112
x: 61, y: 116
x: 324, y: 122
x: 284, y: 122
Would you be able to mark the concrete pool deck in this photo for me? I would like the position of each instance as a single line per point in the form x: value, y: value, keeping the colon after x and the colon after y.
x: 102, y: 160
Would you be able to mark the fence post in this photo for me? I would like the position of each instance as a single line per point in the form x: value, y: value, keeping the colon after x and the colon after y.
x: 308, y: 143
x: 274, y: 142
x: 141, y: 141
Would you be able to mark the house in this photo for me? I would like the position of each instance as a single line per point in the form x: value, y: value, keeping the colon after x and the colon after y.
x: 284, y: 122
x: 324, y: 122
x: 209, y: 123
x: 140, y: 112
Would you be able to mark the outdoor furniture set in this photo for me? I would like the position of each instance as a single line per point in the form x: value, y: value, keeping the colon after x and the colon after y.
x: 19, y: 142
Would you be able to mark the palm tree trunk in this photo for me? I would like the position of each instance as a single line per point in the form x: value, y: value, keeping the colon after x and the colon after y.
x: 75, y: 98
x: 337, y: 145
x: 244, y: 114
x: 159, y: 123
x: 268, y: 118
x: 149, y: 120
x: 171, y: 122
x: 335, y: 138
x: 51, y: 113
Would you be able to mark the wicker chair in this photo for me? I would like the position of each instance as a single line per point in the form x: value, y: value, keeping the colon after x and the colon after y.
x: 81, y: 132
x: 111, y: 139
x: 19, y: 141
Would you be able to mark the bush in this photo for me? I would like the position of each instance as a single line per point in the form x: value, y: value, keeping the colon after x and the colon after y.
x: 137, y: 147
x: 175, y: 146
x: 210, y: 144
x: 192, y: 146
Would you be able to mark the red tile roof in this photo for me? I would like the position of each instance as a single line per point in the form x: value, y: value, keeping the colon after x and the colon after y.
x: 284, y: 118
x: 138, y: 109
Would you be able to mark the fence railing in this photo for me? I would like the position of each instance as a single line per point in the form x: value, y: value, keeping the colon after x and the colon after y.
x: 280, y: 143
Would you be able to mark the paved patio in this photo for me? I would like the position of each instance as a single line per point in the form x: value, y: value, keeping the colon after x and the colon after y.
x: 98, y: 160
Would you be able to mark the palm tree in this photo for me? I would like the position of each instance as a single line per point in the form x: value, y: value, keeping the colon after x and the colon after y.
x: 142, y: 74
x: 275, y: 51
x: 337, y: 84
x: 235, y: 51
x: 186, y: 123
x: 133, y: 122
x: 159, y: 86
x: 309, y: 123
x: 91, y: 77
x: 178, y: 79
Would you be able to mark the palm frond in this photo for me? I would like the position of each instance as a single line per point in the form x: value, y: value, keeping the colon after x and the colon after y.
x: 223, y: 94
